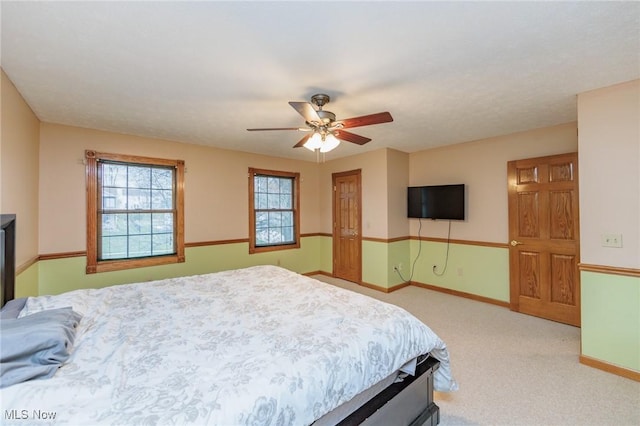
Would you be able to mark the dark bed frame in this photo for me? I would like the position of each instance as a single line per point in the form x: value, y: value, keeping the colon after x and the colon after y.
x: 409, y: 402
x: 8, y: 256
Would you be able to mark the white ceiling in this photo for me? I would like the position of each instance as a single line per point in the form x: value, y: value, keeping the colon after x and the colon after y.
x: 203, y: 72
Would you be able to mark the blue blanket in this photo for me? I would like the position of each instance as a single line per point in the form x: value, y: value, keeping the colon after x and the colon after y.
x: 34, y: 346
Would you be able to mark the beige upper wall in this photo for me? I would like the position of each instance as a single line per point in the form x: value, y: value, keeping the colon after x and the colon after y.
x: 216, y: 185
x: 216, y: 198
x: 373, y: 166
x: 19, y: 168
x: 398, y: 176
x: 609, y: 124
x: 482, y: 166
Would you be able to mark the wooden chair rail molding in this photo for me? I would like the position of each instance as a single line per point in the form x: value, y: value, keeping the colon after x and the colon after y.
x: 611, y: 270
x: 435, y: 240
x: 631, y: 272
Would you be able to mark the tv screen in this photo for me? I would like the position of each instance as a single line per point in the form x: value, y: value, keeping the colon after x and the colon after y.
x: 436, y: 202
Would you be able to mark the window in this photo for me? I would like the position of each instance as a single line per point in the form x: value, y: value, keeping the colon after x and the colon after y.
x: 135, y: 211
x: 274, y: 219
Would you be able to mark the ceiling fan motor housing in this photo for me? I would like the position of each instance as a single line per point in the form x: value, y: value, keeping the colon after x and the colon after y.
x: 326, y: 116
x: 320, y: 100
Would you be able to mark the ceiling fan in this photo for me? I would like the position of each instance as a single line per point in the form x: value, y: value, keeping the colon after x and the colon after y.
x: 325, y: 132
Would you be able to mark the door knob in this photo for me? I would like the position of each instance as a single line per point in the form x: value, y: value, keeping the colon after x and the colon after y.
x: 515, y: 243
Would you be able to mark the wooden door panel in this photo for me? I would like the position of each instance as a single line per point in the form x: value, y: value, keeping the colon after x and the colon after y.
x: 529, y: 266
x: 528, y: 221
x: 563, y: 279
x: 561, y: 170
x: 544, y: 235
x: 561, y: 207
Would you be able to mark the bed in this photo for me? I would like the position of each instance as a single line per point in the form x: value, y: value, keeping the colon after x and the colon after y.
x: 260, y: 346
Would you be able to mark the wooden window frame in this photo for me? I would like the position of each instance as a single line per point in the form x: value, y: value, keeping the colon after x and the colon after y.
x: 252, y: 216
x: 92, y: 158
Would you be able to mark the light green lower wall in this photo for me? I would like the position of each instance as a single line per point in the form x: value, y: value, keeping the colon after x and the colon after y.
x: 478, y: 270
x: 398, y: 255
x: 326, y: 254
x: 378, y: 260
x: 60, y: 275
x: 610, y: 306
x: 27, y: 282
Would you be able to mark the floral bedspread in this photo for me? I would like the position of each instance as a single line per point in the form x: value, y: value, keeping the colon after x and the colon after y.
x: 254, y: 346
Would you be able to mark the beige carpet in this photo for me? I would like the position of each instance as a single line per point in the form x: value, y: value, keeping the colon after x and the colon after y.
x: 514, y: 369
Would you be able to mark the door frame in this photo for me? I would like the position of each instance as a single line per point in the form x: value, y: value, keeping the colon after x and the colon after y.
x: 334, y: 221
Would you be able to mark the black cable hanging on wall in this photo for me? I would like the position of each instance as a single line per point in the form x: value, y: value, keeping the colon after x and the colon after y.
x: 446, y: 260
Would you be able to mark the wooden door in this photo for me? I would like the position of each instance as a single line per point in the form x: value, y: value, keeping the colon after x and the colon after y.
x: 347, y: 220
x: 544, y: 237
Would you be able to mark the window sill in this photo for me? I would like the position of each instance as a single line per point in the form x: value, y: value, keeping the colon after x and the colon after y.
x: 265, y: 249
x: 118, y: 265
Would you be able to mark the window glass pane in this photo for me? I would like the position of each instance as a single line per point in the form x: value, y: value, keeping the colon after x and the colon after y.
x: 273, y: 185
x: 162, y: 178
x: 139, y: 223
x: 139, y: 199
x: 273, y: 201
x: 262, y: 237
x: 287, y: 218
x: 285, y: 186
x: 262, y: 220
x: 139, y: 245
x: 285, y: 201
x: 162, y: 243
x: 287, y: 234
x: 114, y: 198
x: 261, y: 201
x: 275, y: 219
x: 114, y: 175
x: 161, y: 199
x: 275, y: 236
x: 114, y: 224
x: 260, y: 184
x: 139, y: 177
x: 114, y: 247
x: 162, y: 222
x: 109, y: 198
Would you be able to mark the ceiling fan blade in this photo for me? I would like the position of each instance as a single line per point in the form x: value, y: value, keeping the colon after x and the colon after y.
x: 303, y: 140
x: 275, y: 128
x: 306, y: 110
x: 366, y: 120
x: 351, y: 137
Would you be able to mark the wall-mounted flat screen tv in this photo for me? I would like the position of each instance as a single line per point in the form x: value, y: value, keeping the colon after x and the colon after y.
x: 436, y: 202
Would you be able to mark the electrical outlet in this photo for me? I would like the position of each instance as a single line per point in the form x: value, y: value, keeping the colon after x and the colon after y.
x: 400, y: 266
x: 611, y: 240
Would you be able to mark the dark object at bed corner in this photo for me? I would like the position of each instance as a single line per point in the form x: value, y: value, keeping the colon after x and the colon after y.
x: 8, y: 257
x: 409, y: 402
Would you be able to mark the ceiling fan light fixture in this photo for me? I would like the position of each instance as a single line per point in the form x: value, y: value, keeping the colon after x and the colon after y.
x: 330, y: 143
x: 314, y: 142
